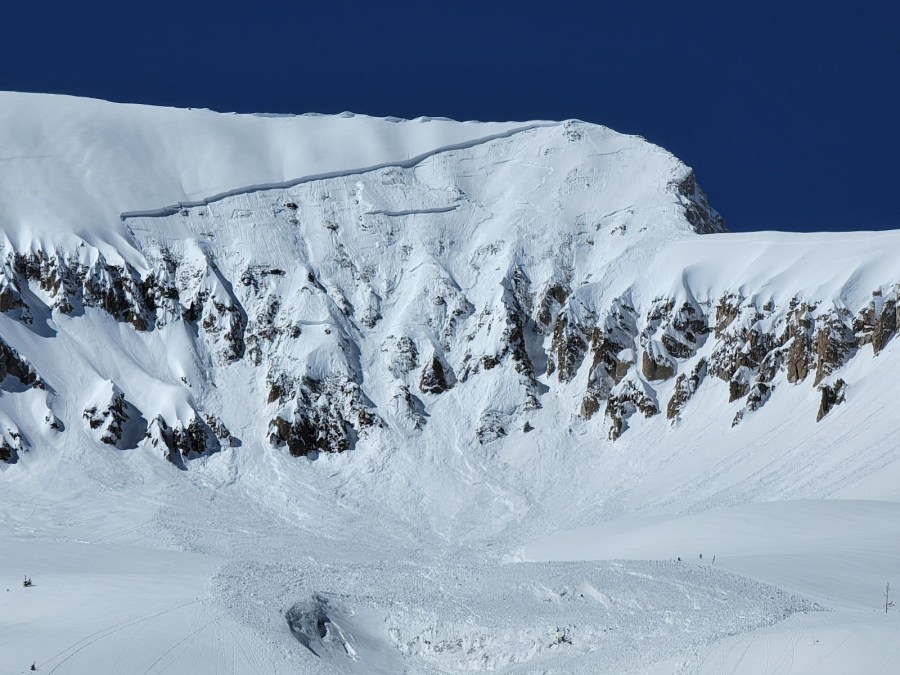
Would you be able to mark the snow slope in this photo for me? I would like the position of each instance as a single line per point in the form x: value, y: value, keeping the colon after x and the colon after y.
x: 435, y: 397
x: 838, y: 553
x: 86, y: 161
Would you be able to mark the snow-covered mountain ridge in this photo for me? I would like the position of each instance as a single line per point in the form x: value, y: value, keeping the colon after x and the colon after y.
x: 508, y: 267
x: 435, y: 396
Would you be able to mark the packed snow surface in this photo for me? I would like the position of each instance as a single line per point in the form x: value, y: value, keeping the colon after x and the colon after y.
x: 386, y: 277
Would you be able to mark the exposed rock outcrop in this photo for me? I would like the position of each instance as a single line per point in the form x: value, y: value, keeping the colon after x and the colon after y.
x: 567, y: 348
x: 322, y: 416
x: 106, y: 414
x: 627, y: 398
x: 612, y: 355
x: 834, y: 342
x: 685, y: 387
x: 832, y: 395
x: 11, y: 363
x: 877, y: 323
x: 656, y: 365
x: 434, y: 378
x: 552, y: 301
x: 182, y: 441
x: 702, y: 217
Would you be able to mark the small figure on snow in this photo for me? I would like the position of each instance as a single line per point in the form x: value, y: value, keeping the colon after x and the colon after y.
x: 33, y: 667
x: 701, y: 556
x: 26, y: 582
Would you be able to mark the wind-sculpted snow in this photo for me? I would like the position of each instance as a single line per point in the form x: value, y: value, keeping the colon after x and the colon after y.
x: 284, y: 185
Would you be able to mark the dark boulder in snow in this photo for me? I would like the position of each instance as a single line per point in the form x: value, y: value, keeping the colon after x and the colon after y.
x: 434, y: 378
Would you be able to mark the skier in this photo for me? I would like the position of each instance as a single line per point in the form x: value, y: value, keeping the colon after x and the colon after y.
x: 26, y: 582
x: 33, y: 667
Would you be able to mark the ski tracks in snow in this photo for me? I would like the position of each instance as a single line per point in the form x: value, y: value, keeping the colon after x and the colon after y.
x: 72, y: 650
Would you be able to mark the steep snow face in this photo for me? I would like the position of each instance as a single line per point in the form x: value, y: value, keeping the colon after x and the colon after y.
x: 394, y: 242
x: 335, y: 289
x: 385, y: 282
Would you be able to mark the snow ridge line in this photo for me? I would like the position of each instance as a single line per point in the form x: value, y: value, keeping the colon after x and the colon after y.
x: 172, y: 209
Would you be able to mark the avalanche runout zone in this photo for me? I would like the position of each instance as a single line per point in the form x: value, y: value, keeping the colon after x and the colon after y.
x: 624, y: 615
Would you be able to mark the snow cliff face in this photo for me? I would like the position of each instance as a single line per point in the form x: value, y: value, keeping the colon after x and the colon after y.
x: 388, y: 281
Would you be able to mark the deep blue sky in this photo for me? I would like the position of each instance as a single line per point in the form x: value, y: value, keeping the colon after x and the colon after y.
x: 788, y: 115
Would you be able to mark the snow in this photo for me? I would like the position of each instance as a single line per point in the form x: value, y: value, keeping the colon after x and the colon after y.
x: 86, y: 161
x: 421, y: 551
x: 838, y: 553
x: 110, y: 608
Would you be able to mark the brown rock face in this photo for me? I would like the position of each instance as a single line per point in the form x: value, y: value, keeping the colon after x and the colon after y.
x: 621, y: 406
x: 685, y: 387
x: 797, y: 336
x: 727, y: 311
x: 738, y: 386
x: 302, y: 437
x: 657, y: 369
x: 797, y: 359
x: 876, y: 325
x: 568, y: 348
x: 10, y: 298
x: 702, y: 217
x: 834, y: 342
x: 551, y: 302
x: 117, y: 290
x: 885, y: 326
x: 617, y: 330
